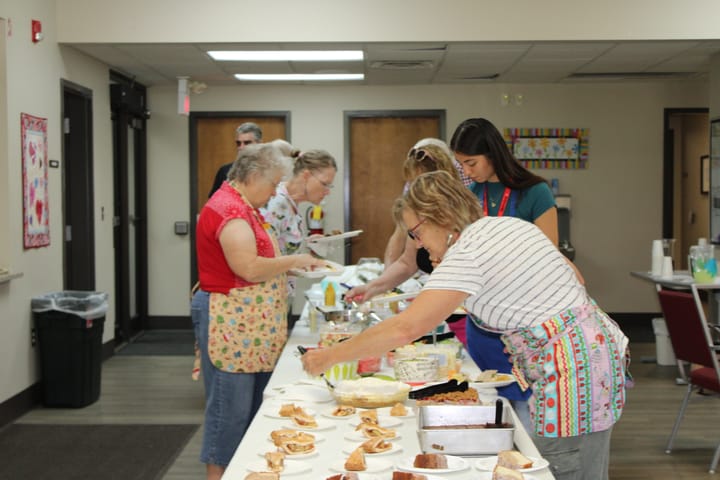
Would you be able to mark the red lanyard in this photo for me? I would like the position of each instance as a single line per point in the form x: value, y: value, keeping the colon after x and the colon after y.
x: 503, y: 203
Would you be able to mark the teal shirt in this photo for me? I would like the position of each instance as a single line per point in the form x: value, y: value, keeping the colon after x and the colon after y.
x: 530, y: 203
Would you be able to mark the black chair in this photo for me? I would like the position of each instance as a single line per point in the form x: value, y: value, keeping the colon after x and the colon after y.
x: 692, y: 342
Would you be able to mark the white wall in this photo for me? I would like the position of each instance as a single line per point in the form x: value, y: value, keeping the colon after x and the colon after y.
x: 33, y: 74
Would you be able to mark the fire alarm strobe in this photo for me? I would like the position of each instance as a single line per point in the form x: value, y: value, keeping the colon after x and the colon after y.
x: 36, y: 29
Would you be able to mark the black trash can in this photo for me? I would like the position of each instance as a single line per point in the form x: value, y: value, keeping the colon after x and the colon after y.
x: 69, y: 328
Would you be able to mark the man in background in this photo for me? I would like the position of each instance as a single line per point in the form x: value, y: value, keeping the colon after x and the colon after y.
x: 246, y: 134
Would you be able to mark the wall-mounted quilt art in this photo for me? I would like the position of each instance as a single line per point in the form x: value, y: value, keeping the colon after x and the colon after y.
x: 549, y: 147
x: 36, y: 225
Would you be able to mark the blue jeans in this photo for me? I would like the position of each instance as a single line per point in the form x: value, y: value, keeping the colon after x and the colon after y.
x: 231, y: 399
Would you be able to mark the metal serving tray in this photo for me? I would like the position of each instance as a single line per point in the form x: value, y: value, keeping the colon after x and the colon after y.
x: 453, y: 439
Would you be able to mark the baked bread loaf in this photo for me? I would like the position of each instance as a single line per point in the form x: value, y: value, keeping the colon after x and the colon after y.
x: 283, y: 435
x: 298, y: 444
x: 303, y: 419
x: 513, y: 459
x: 262, y: 476
x: 430, y: 460
x: 504, y: 473
x: 275, y: 461
x: 368, y: 416
x: 398, y: 410
x: 408, y: 476
x: 371, y: 431
x: 356, y: 461
x: 287, y: 409
x: 376, y: 445
x: 343, y: 411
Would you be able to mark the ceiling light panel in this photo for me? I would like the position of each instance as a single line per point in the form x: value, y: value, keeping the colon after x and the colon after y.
x: 299, y: 77
x: 286, y: 55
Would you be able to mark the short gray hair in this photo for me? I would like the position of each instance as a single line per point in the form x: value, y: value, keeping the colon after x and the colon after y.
x: 250, y: 127
x: 263, y: 158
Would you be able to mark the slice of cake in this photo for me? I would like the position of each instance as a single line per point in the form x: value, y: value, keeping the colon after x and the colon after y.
x: 430, y: 460
x: 504, y: 473
x: 513, y: 459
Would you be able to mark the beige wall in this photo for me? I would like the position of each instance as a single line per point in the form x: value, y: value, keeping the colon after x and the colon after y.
x: 32, y: 76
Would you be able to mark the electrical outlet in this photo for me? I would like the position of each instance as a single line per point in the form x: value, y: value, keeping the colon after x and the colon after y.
x: 33, y: 337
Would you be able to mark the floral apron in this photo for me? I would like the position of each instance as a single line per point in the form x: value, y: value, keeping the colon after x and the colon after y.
x: 576, y: 364
x: 248, y: 327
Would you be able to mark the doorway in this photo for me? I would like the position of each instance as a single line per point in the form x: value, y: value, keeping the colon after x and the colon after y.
x: 78, y: 193
x: 686, y: 207
x: 377, y: 143
x: 129, y: 118
x: 212, y: 144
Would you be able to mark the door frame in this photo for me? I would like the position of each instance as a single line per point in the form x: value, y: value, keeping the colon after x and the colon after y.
x: 668, y: 182
x: 194, y: 118
x: 82, y: 128
x: 348, y: 117
x: 126, y: 327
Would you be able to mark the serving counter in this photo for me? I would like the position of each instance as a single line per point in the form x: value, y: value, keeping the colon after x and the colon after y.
x: 333, y: 445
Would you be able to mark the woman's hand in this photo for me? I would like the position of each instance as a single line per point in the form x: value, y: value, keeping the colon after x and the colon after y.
x: 357, y: 294
x: 316, y: 361
x: 305, y: 260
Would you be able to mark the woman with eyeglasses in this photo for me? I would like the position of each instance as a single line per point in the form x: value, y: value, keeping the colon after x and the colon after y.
x: 239, y: 311
x: 429, y: 157
x: 312, y: 180
x: 505, y: 189
x: 508, y: 273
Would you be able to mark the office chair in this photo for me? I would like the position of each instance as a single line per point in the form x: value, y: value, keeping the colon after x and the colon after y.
x: 692, y: 342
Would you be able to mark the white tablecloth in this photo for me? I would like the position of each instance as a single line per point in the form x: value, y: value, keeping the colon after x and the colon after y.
x: 330, y: 451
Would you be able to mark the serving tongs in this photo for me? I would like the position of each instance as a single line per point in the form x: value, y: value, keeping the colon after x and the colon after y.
x: 450, y: 386
x: 303, y: 351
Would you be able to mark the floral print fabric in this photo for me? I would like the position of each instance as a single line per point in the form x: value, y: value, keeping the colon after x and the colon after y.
x: 285, y: 220
x: 248, y: 327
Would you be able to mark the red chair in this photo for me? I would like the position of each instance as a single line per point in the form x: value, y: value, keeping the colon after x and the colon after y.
x: 692, y: 342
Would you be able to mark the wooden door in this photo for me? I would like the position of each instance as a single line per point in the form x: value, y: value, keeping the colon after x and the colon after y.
x: 216, y: 145
x: 378, y: 144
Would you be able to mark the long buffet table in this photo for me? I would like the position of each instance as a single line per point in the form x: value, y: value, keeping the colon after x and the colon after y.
x: 289, y: 376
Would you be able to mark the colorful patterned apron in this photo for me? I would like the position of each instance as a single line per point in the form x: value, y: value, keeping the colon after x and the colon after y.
x: 576, y: 364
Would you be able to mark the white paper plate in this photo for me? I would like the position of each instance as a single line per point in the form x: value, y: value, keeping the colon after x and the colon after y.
x: 374, y: 465
x: 291, y: 468
x: 488, y: 463
x: 495, y: 384
x: 322, y: 424
x: 301, y: 393
x: 318, y: 438
x: 394, y: 297
x: 385, y: 412
x: 335, y: 269
x: 395, y: 449
x: 455, y: 464
x: 488, y: 476
x: 330, y: 238
x: 297, y: 456
x: 357, y: 436
x: 383, y: 421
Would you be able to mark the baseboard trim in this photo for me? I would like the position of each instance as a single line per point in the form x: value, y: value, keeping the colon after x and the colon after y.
x: 169, y: 323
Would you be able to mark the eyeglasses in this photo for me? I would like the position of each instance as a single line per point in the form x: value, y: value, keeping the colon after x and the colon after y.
x: 412, y: 232
x: 239, y: 143
x: 325, y: 184
x: 418, y: 154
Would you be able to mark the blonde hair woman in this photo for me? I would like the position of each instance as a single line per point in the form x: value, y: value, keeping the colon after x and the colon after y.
x: 507, y: 272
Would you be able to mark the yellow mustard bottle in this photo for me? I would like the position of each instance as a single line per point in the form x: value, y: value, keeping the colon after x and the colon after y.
x: 330, y: 295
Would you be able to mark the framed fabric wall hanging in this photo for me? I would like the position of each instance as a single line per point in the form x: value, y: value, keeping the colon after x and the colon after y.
x: 36, y: 224
x: 549, y: 147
